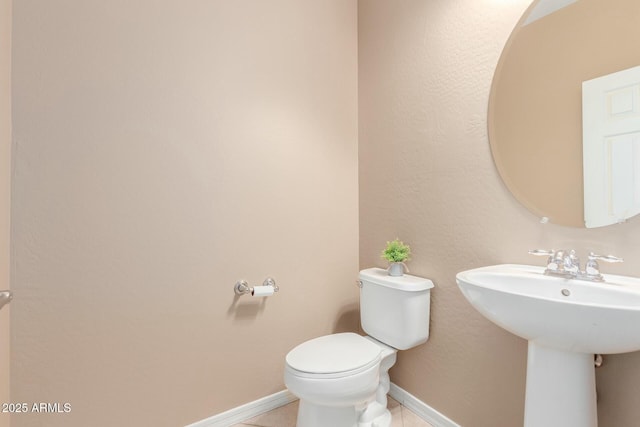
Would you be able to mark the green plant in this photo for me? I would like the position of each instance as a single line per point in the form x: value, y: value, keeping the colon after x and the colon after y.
x: 396, y: 251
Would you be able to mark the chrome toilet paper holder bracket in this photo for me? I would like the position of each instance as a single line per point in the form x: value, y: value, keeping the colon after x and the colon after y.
x: 5, y: 298
x: 242, y: 286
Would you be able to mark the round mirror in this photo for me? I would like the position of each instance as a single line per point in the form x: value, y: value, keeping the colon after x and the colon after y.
x: 536, y: 105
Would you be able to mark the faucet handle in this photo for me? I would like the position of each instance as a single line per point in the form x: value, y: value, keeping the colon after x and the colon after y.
x: 592, y: 269
x: 605, y: 258
x: 541, y: 252
x: 551, y: 254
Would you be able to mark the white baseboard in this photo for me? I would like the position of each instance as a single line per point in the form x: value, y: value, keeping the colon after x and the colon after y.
x: 421, y: 409
x: 276, y: 400
x: 246, y: 411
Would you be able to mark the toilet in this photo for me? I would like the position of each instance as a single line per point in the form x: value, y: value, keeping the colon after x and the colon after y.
x: 342, y: 380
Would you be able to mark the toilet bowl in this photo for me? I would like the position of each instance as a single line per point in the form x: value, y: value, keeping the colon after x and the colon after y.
x: 337, y: 377
x: 342, y: 380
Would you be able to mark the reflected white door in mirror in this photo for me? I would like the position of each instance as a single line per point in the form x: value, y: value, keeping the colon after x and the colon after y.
x: 611, y: 147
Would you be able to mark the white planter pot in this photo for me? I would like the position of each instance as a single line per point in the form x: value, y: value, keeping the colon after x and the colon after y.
x: 396, y: 269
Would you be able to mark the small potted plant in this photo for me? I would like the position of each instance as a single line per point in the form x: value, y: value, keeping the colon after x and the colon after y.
x: 397, y: 253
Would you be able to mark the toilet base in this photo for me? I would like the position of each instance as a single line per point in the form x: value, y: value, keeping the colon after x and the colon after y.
x: 383, y: 420
x: 375, y: 415
x: 311, y: 415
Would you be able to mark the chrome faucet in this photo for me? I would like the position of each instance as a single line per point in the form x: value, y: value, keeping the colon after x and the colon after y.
x: 565, y: 263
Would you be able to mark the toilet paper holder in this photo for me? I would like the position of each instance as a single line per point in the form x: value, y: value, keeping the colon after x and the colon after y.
x: 268, y: 288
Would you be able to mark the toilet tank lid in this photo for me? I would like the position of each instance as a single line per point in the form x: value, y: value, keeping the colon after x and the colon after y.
x: 405, y: 282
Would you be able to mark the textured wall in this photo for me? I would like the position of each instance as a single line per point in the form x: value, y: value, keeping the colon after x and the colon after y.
x: 5, y: 193
x: 427, y: 176
x: 165, y: 150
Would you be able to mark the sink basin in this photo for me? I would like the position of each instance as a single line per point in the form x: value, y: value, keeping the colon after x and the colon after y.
x: 566, y: 322
x: 568, y: 314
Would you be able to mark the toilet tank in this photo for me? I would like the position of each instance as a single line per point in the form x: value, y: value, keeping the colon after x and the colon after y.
x: 395, y: 310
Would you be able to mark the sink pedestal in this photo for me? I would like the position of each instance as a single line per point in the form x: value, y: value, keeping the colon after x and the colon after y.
x: 561, y: 388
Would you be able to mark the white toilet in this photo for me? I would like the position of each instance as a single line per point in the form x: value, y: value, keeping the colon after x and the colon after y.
x: 342, y: 379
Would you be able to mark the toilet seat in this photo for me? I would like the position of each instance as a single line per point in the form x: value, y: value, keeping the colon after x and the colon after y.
x: 333, y: 356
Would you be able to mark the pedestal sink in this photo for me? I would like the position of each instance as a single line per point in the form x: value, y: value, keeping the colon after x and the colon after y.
x: 566, y: 322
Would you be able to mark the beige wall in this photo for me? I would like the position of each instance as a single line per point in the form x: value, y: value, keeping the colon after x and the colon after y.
x: 427, y: 176
x: 5, y: 192
x: 165, y: 150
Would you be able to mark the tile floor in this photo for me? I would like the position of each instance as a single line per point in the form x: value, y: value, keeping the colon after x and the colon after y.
x: 285, y: 416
